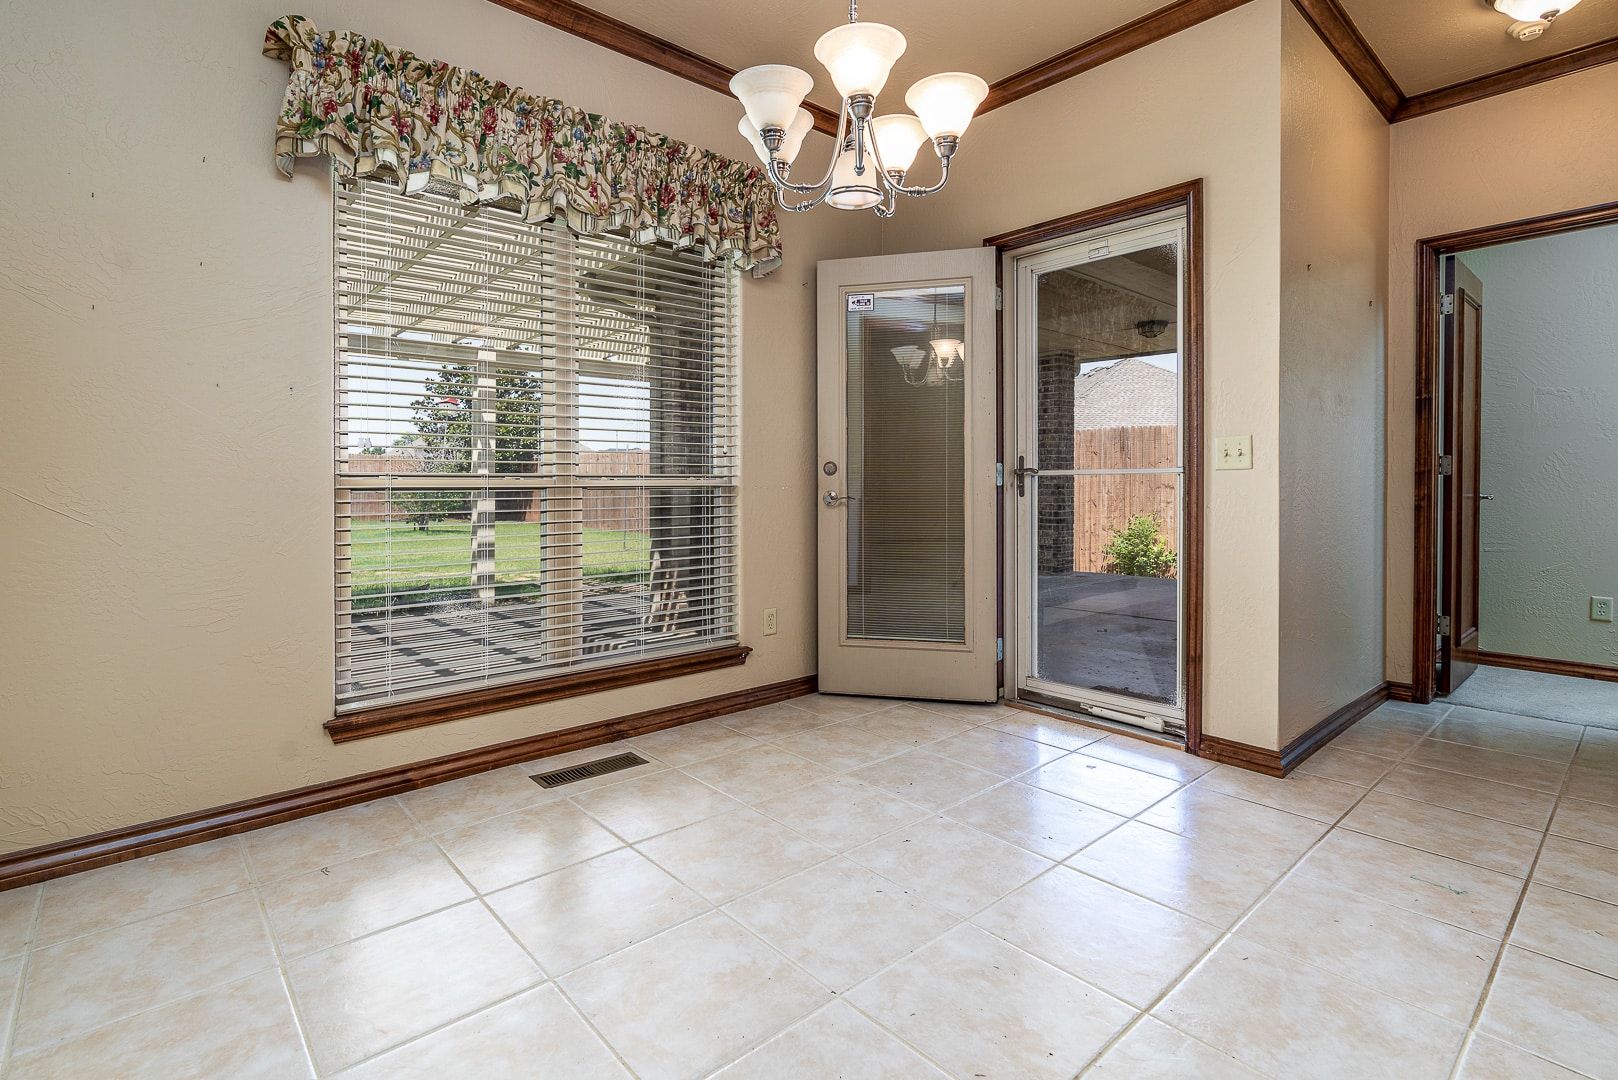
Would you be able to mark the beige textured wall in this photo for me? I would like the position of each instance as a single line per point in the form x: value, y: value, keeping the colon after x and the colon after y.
x: 1334, y: 257
x: 1548, y: 148
x: 1203, y: 103
x: 1550, y: 445
x: 165, y: 463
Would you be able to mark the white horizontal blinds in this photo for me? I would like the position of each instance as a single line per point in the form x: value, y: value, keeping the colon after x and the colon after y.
x: 906, y: 464
x: 535, y: 452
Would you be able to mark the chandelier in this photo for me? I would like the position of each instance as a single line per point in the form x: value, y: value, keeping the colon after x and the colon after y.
x: 873, y: 153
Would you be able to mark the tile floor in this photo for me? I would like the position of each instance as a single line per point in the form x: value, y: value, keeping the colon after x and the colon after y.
x: 839, y: 887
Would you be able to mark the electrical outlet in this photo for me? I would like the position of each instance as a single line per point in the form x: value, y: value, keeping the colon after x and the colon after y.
x: 1601, y: 609
x: 769, y: 622
x: 1233, y: 452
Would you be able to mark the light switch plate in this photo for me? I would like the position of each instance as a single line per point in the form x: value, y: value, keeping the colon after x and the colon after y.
x: 1233, y: 452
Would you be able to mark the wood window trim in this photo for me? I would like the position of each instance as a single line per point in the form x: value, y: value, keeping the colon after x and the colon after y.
x: 405, y: 715
x: 1430, y: 253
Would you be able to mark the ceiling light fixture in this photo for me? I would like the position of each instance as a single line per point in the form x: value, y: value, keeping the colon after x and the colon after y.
x: 873, y: 153
x: 1533, y: 17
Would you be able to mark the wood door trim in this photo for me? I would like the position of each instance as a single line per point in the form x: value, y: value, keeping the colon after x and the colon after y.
x: 1188, y: 195
x: 65, y: 857
x: 1429, y: 253
x: 1577, y: 669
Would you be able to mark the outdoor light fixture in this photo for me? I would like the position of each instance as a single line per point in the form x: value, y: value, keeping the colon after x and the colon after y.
x: 1533, y: 17
x: 1151, y: 328
x: 873, y: 153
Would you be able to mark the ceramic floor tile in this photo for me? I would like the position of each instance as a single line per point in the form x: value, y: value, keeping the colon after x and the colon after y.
x: 1420, y: 961
x: 688, y: 744
x: 1502, y: 721
x: 1490, y: 1059
x: 351, y: 899
x: 839, y: 707
x: 692, y: 999
x: 1469, y: 794
x: 1458, y: 893
x: 834, y: 1042
x: 754, y: 776
x: 637, y: 809
x: 514, y: 847
x: 17, y: 908
x: 1574, y: 866
x: 1555, y: 1010
x: 578, y: 914
x: 1154, y: 1051
x: 1262, y: 834
x: 1049, y: 730
x: 1345, y: 766
x: 926, y: 779
x: 1206, y: 881
x: 1484, y: 841
x: 363, y: 997
x: 1110, y: 786
x: 1597, y: 757
x: 1379, y: 741
x: 312, y: 842
x: 1405, y: 716
x: 982, y: 1008
x: 841, y: 813
x: 1307, y: 796
x: 995, y: 751
x: 244, y: 1031
x: 1170, y: 761
x: 840, y: 922
x: 972, y: 712
x: 138, y: 889
x: 1568, y: 927
x: 1286, y: 1018
x: 1475, y: 728
x: 773, y: 722
x: 1032, y: 818
x: 841, y: 747
x: 734, y: 853
x: 534, y: 1036
x: 1126, y: 945
x: 910, y: 725
x: 1504, y: 768
x: 950, y: 865
x: 1594, y: 823
x: 10, y: 986
x: 459, y: 803
x: 94, y: 980
x: 1591, y: 785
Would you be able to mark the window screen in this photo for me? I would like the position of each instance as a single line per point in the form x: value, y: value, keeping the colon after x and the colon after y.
x: 536, y: 449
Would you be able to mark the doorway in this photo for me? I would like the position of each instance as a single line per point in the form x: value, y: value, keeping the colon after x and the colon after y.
x: 1514, y: 459
x: 1102, y: 409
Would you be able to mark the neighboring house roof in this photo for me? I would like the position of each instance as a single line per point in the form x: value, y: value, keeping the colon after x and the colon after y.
x: 1130, y: 393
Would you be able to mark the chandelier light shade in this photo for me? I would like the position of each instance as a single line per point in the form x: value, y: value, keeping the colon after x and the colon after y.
x: 873, y: 154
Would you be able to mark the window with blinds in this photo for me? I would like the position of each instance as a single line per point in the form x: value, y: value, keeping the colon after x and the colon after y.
x: 536, y: 449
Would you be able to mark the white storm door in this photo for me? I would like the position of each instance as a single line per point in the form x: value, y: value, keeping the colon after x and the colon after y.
x: 907, y: 494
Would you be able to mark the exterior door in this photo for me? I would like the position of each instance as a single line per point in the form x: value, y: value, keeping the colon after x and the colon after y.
x: 907, y: 497
x: 1459, y: 471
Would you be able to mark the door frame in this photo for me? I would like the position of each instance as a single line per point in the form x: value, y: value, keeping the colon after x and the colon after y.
x: 1189, y: 198
x: 1430, y: 254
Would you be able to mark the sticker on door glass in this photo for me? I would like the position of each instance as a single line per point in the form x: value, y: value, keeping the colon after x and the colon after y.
x: 862, y: 301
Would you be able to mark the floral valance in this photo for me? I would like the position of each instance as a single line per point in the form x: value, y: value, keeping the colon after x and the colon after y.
x: 381, y: 111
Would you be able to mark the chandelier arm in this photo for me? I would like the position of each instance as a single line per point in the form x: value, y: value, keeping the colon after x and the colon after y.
x: 918, y: 192
x: 783, y: 185
x: 798, y: 208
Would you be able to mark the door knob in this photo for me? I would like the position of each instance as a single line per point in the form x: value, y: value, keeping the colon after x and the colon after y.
x: 1489, y: 497
x: 1023, y: 472
x: 831, y: 498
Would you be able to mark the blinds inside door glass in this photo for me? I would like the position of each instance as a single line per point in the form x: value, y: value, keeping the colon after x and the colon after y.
x: 906, y: 481
x: 535, y: 449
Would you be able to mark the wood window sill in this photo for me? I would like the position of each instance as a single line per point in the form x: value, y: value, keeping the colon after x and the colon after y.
x: 387, y: 719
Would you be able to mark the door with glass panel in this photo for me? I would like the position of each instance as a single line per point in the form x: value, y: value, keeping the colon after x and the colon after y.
x: 1099, y: 474
x: 906, y: 470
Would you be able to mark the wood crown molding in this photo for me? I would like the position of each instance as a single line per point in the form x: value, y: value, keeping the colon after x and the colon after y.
x: 1283, y: 761
x: 404, y: 715
x: 1345, y: 41
x: 35, y: 864
x: 1503, y: 82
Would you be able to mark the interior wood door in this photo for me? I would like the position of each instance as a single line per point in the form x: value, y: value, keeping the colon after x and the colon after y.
x: 907, y: 497
x: 1460, y: 471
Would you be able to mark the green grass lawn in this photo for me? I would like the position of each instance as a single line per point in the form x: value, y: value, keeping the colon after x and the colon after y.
x: 436, y: 562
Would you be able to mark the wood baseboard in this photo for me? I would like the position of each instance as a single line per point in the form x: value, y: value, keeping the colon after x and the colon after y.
x: 1535, y: 663
x: 1401, y: 691
x: 1283, y: 761
x: 137, y: 841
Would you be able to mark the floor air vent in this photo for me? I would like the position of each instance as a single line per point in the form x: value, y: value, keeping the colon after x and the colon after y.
x: 574, y: 773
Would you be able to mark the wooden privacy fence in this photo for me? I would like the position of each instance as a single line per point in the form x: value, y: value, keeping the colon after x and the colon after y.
x: 1103, y: 505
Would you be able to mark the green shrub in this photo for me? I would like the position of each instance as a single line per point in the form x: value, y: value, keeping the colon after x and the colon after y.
x: 1139, y: 549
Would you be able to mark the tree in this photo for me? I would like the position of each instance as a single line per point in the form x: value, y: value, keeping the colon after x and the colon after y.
x: 1138, y: 549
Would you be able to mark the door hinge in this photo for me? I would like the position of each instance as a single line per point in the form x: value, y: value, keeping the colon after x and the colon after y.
x: 999, y: 474
x: 1444, y: 625
x: 1446, y: 465
x: 999, y: 299
x: 999, y: 648
x: 1446, y: 304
